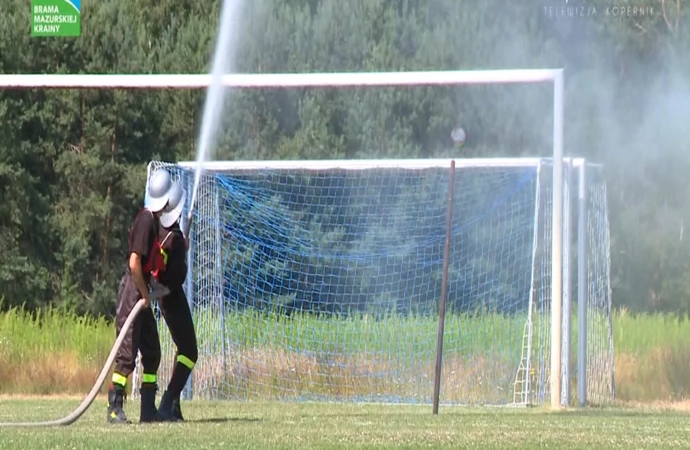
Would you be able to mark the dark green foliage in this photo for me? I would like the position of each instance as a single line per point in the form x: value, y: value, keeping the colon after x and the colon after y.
x: 72, y: 163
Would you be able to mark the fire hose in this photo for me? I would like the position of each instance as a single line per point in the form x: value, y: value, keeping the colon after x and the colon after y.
x: 77, y: 413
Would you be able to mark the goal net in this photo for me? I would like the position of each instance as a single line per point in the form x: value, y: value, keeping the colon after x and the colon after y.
x: 321, y: 280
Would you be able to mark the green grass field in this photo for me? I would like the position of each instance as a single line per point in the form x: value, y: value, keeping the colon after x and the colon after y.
x: 259, y: 425
x: 58, y: 354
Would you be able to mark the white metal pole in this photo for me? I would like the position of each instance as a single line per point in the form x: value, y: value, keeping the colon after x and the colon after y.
x: 218, y: 288
x: 565, y: 383
x: 276, y: 80
x: 582, y: 286
x: 357, y: 164
x: 533, y: 289
x: 557, y: 241
x: 188, y: 390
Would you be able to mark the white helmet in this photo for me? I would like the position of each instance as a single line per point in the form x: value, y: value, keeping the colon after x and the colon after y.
x: 158, y: 190
x: 176, y: 199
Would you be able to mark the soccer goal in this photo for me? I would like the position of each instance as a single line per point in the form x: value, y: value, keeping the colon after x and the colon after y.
x: 322, y: 280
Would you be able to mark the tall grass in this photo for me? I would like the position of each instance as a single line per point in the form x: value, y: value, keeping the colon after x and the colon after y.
x: 652, y: 356
x: 51, y: 351
x: 58, y: 352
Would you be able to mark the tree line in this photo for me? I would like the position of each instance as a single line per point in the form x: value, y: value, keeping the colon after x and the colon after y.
x: 73, y: 162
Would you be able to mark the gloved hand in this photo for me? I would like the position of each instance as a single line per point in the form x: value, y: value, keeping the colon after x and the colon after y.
x: 158, y: 290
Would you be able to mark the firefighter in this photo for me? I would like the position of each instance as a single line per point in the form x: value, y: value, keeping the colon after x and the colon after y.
x: 145, y: 262
x: 174, y: 306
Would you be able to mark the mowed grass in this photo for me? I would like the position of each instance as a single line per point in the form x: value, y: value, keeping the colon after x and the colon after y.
x: 274, y: 425
x: 54, y: 352
x: 59, y: 353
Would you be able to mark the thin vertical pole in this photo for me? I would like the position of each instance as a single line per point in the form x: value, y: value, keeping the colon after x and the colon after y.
x: 444, y: 290
x: 219, y: 282
x: 567, y: 299
x: 532, y: 289
x: 582, y: 286
x: 557, y: 241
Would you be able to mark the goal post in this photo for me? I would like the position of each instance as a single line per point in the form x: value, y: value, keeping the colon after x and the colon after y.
x: 333, y: 80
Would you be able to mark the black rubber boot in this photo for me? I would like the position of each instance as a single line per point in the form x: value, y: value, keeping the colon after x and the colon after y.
x: 148, y: 403
x: 176, y: 410
x: 116, y: 400
x: 165, y: 410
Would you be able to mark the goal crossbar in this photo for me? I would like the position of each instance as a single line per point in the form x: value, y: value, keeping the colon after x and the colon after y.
x: 277, y: 80
x: 367, y: 164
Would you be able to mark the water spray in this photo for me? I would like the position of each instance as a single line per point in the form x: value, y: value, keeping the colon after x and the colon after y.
x: 215, y: 95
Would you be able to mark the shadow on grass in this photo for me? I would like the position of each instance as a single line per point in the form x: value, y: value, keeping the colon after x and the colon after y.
x: 224, y: 420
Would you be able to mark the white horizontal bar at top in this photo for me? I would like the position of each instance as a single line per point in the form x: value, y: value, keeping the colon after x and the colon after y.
x: 360, y: 164
x: 277, y: 80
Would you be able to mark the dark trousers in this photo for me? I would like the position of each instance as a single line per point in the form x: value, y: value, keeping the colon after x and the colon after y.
x: 142, y: 335
x: 178, y: 317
